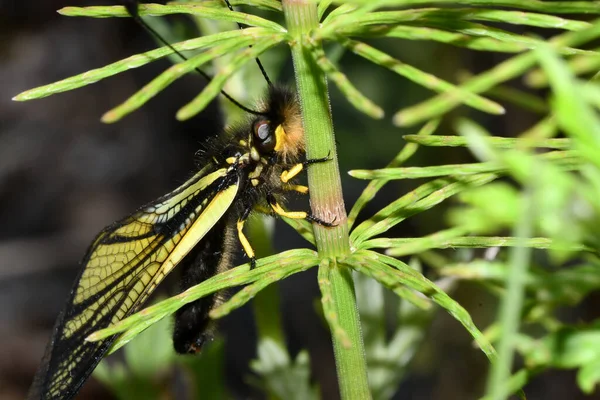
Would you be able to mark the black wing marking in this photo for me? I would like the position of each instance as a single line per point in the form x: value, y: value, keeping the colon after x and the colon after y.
x: 121, y: 269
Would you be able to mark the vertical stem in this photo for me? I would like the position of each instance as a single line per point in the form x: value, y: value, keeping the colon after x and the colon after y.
x: 512, y: 301
x: 341, y: 313
x: 327, y: 202
x: 324, y: 180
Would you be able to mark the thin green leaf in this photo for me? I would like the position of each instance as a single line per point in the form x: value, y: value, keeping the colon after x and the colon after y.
x: 248, y: 293
x: 545, y: 128
x: 486, y: 38
x: 407, y: 246
x: 495, y: 141
x: 303, y: 227
x: 340, y: 10
x: 568, y: 160
x: 455, y: 309
x: 578, y: 65
x: 458, y: 14
x: 392, y: 272
x: 157, y: 10
x: 399, y: 247
x: 456, y: 33
x: 556, y: 7
x: 508, y: 17
x: 502, y: 36
x: 374, y: 186
x: 453, y: 38
x: 404, y: 201
x: 271, y: 5
x: 289, y: 262
x: 574, y: 114
x: 137, y: 61
x: 422, y: 78
x: 509, y: 69
x: 352, y: 94
x: 406, y: 292
x: 322, y: 8
x: 406, y: 206
x: 443, y: 103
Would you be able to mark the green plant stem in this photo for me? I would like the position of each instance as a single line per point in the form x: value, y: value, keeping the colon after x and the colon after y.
x: 512, y: 303
x: 326, y: 198
x: 349, y: 357
x: 324, y: 181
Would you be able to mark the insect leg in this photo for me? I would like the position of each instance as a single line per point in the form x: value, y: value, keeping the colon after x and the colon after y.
x: 296, y: 214
x: 243, y: 239
x: 289, y: 174
x: 296, y: 188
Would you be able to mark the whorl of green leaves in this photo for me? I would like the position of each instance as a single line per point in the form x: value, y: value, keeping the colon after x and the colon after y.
x: 421, y: 20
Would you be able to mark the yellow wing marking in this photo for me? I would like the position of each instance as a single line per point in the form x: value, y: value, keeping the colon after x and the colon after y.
x: 126, y: 263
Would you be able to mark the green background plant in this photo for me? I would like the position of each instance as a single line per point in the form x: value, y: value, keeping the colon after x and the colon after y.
x: 539, y: 192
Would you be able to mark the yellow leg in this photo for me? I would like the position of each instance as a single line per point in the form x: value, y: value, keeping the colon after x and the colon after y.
x: 297, y: 188
x: 290, y: 214
x: 297, y: 214
x: 291, y: 173
x: 244, y: 240
x: 286, y: 176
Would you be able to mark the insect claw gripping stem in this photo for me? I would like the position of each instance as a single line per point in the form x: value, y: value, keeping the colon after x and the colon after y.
x: 311, y: 161
x: 312, y: 218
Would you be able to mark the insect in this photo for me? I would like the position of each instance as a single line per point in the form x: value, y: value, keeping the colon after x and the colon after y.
x: 194, y: 228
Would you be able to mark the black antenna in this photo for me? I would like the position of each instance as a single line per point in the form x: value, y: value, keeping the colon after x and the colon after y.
x: 260, y: 66
x: 132, y: 7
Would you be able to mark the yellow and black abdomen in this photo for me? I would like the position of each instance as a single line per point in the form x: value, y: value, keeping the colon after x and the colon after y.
x: 212, y: 255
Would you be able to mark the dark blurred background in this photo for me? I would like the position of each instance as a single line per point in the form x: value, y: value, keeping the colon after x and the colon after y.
x: 64, y: 176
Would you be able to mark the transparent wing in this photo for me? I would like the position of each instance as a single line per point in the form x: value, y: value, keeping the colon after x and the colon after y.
x: 122, y: 267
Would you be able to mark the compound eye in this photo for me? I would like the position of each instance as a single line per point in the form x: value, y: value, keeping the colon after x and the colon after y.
x: 262, y: 131
x: 264, y: 135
